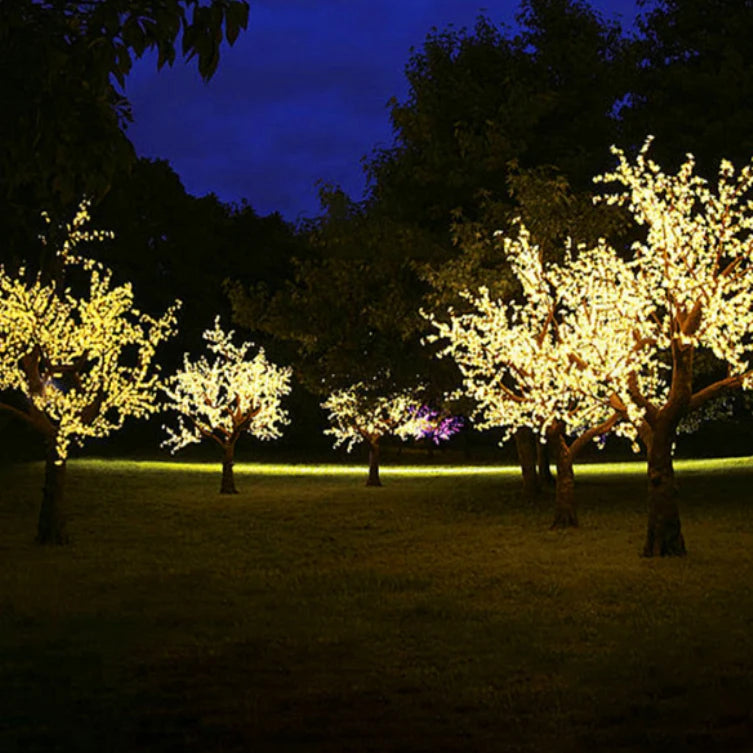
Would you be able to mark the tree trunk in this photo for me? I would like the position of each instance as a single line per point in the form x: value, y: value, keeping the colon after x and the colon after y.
x: 373, y: 479
x: 51, y: 525
x: 228, y: 478
x: 664, y: 536
x: 542, y: 461
x: 525, y: 443
x: 564, y: 500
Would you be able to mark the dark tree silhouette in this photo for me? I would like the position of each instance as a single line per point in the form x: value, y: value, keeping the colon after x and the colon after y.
x: 692, y: 82
x: 63, y: 64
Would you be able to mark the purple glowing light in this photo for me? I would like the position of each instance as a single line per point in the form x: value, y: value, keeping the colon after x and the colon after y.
x: 436, y: 426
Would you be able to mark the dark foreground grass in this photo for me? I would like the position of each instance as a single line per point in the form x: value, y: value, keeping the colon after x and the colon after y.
x: 315, y: 614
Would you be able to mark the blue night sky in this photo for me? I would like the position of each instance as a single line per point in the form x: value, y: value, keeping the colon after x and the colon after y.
x: 301, y: 96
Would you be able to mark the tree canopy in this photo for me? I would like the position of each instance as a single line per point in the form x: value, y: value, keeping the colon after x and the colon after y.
x: 222, y: 400
x: 692, y: 81
x: 63, y: 65
x: 480, y: 101
x: 552, y: 358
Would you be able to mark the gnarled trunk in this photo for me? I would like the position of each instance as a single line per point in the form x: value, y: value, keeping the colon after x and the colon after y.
x: 664, y: 535
x: 525, y: 443
x: 373, y: 479
x: 51, y: 527
x: 564, y: 504
x: 228, y: 479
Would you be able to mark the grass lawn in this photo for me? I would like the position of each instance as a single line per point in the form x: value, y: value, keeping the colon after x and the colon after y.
x: 311, y: 613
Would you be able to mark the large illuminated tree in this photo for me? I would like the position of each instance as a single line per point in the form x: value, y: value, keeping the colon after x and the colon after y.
x: 552, y: 359
x: 358, y: 413
x: 222, y: 400
x: 694, y: 276
x: 75, y: 361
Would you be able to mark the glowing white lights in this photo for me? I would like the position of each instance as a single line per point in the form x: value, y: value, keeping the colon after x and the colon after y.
x: 231, y: 396
x: 557, y: 357
x: 83, y: 363
x: 357, y: 413
x: 694, y: 270
x: 591, y: 335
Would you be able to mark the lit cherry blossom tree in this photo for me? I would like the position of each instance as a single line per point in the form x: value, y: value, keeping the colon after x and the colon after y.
x: 694, y: 278
x: 222, y: 400
x: 358, y: 414
x: 555, y: 359
x: 75, y: 365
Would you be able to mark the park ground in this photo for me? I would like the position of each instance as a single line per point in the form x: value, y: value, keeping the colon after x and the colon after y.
x: 310, y: 613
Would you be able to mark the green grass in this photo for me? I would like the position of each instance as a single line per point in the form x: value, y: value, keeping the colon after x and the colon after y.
x: 310, y: 613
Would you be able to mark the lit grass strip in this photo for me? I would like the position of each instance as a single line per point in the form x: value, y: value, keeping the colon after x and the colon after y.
x: 294, y: 469
x: 633, y: 468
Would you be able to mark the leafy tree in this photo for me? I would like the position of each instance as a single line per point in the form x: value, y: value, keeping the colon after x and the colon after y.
x: 75, y: 365
x: 222, y: 400
x: 163, y: 235
x: 464, y: 138
x: 556, y: 216
x: 63, y: 65
x: 480, y: 103
x: 693, y: 276
x: 692, y: 81
x: 553, y: 360
x: 331, y: 315
x: 361, y: 413
x: 579, y: 62
x: 496, y: 127
x: 349, y: 313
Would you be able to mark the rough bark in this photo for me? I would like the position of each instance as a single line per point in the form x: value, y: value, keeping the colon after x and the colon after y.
x: 373, y: 479
x: 564, y: 499
x: 525, y: 443
x: 51, y: 526
x: 664, y: 535
x: 228, y: 478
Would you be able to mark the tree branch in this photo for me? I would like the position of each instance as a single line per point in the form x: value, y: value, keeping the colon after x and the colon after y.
x: 603, y: 428
x: 38, y: 420
x: 18, y: 413
x: 206, y: 433
x: 640, y: 400
x: 715, y: 389
x: 545, y: 327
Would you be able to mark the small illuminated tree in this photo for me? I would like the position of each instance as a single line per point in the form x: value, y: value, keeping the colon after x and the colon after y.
x: 556, y: 359
x: 77, y: 364
x: 694, y: 274
x: 358, y: 414
x: 222, y: 400
x: 436, y: 426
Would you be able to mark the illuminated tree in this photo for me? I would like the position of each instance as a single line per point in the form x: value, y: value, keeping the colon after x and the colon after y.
x: 359, y: 414
x: 435, y: 425
x: 75, y: 366
x: 222, y: 400
x: 693, y: 274
x: 555, y: 359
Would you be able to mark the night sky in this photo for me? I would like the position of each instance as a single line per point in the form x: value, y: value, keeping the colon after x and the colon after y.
x: 301, y: 96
